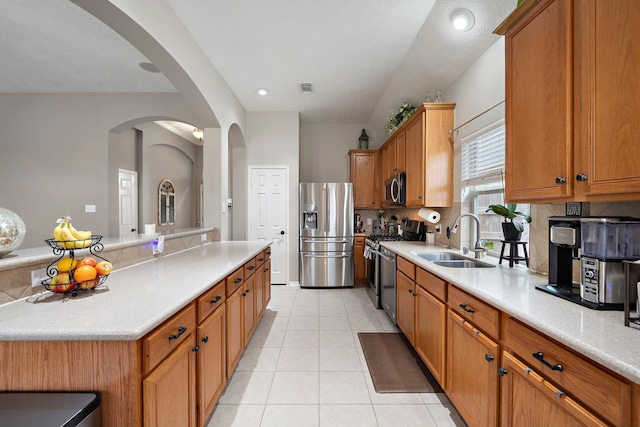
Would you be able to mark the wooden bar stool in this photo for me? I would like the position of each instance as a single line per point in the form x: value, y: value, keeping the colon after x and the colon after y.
x: 513, y: 252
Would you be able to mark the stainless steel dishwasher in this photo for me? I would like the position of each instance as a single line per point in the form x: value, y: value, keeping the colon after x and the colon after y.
x: 388, y: 282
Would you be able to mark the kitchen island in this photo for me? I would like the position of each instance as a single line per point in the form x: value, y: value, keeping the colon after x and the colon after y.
x: 498, y: 312
x: 100, y: 340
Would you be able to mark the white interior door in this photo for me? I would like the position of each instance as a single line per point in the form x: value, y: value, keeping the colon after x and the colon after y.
x: 128, y: 202
x: 268, y: 208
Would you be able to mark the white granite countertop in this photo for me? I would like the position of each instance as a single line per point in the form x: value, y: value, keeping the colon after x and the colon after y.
x: 24, y: 257
x: 599, y: 335
x: 132, y: 301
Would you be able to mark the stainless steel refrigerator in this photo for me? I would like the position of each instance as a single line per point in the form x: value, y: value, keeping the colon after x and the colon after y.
x: 326, y: 235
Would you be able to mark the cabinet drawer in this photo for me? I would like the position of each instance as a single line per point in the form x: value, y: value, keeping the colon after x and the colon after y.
x: 578, y: 377
x: 407, y: 267
x: 210, y: 300
x: 432, y: 284
x: 234, y: 281
x: 483, y: 316
x: 168, y: 336
x: 261, y: 258
x: 249, y: 268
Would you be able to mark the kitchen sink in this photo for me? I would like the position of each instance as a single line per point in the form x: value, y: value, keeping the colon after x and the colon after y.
x: 448, y: 259
x: 466, y: 263
x: 440, y: 256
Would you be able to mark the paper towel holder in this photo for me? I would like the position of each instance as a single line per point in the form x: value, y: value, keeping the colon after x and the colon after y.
x: 429, y: 215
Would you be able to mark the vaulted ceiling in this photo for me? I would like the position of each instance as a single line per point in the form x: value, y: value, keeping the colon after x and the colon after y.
x: 363, y: 57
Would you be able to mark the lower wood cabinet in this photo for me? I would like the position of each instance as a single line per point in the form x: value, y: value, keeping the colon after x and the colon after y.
x: 530, y: 401
x: 472, y: 372
x: 430, y: 331
x: 405, y: 303
x: 211, y: 362
x: 169, y: 391
x: 248, y: 309
x: 266, y: 284
x: 234, y: 330
x: 358, y: 259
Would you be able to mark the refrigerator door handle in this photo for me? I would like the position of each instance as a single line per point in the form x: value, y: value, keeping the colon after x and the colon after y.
x: 326, y: 209
x: 316, y: 241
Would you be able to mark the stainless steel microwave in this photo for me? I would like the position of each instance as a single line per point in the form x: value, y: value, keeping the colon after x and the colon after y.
x: 395, y: 193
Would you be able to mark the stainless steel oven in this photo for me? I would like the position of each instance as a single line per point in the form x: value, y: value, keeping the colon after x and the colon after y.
x: 376, y: 256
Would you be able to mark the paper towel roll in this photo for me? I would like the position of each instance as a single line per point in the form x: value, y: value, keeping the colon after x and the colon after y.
x: 429, y: 215
x: 149, y: 229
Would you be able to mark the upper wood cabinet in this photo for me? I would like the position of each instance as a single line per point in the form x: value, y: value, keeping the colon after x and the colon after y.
x: 363, y: 176
x: 571, y: 101
x: 423, y: 148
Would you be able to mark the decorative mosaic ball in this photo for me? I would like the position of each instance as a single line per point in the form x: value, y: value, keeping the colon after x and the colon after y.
x: 12, y: 231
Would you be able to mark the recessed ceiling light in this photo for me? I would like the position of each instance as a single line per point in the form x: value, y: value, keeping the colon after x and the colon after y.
x: 462, y: 19
x: 262, y: 91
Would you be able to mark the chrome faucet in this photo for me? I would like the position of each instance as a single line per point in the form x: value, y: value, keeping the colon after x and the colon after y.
x: 478, y: 249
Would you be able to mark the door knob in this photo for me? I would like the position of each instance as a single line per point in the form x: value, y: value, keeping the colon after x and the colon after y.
x: 282, y: 232
x: 133, y: 229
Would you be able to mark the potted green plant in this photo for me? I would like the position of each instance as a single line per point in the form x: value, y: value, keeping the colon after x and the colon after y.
x: 513, y: 228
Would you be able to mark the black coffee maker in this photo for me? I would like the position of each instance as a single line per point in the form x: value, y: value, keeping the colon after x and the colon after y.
x: 564, y: 248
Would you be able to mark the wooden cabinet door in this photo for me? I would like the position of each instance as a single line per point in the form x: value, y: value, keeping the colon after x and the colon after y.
x: 234, y: 329
x: 249, y: 308
x: 414, y: 160
x: 400, y: 147
x: 607, y: 105
x: 266, y: 295
x: 169, y: 391
x: 405, y: 297
x: 363, y: 177
x: 539, y: 99
x: 530, y: 401
x: 259, y: 297
x: 430, y: 327
x: 212, y: 369
x: 358, y: 259
x: 472, y: 376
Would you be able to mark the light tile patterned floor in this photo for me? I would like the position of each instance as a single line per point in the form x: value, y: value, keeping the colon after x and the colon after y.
x: 304, y: 367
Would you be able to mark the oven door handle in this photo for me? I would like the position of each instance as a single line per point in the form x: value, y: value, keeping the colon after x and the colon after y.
x: 387, y: 258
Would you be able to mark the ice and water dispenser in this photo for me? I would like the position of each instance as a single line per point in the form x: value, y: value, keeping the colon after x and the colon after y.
x: 310, y: 216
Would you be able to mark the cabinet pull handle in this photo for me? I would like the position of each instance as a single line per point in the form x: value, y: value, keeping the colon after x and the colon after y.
x: 410, y: 291
x: 195, y: 349
x: 251, y: 267
x: 181, y: 330
x: 539, y: 356
x: 502, y: 372
x: 467, y: 309
x: 238, y: 280
x: 260, y: 259
x: 216, y: 299
x: 489, y: 358
x: 581, y: 177
x: 266, y: 269
x: 561, y: 180
x: 205, y: 339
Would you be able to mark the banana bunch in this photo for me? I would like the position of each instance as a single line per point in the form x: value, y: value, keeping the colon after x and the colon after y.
x: 68, y: 237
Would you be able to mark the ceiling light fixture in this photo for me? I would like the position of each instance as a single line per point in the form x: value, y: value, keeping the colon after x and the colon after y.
x: 462, y: 19
x: 262, y: 91
x: 198, y: 133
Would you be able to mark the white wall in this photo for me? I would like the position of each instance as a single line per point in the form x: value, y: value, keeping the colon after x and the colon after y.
x: 273, y: 139
x: 55, y: 155
x: 479, y: 88
x: 324, y: 151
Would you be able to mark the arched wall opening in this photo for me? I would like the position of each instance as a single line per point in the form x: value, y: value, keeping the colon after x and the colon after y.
x: 237, y: 184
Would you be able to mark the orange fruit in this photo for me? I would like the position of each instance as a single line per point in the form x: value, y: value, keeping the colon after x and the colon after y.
x: 87, y: 261
x: 84, y: 273
x: 66, y: 264
x: 104, y: 268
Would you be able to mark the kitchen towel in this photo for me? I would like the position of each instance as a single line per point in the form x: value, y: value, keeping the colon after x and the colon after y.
x: 430, y: 215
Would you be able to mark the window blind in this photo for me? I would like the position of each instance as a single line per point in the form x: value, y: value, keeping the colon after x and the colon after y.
x: 483, y: 158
